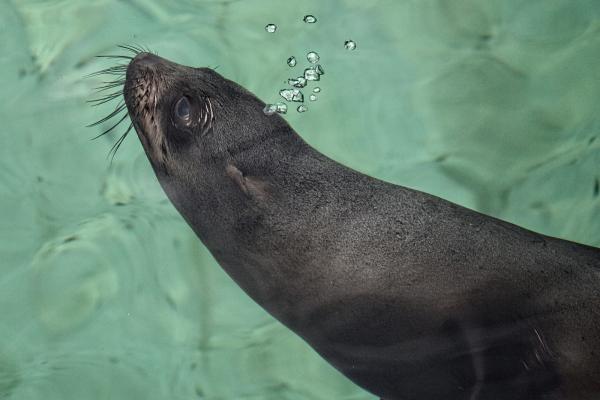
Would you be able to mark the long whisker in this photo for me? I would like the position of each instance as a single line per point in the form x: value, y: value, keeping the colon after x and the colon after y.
x: 119, y: 72
x: 112, y: 127
x: 120, y: 107
x: 118, y: 143
x: 109, y: 85
x: 116, y: 70
x: 108, y: 97
x: 115, y: 56
x: 105, y: 99
x: 133, y: 49
x: 122, y: 80
x: 148, y: 50
x: 145, y: 49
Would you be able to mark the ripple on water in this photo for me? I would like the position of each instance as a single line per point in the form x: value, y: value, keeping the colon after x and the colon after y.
x: 73, y: 372
x: 9, y: 376
x: 75, y: 275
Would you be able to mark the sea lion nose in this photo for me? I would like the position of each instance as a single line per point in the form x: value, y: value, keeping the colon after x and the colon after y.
x: 142, y: 67
x: 146, y: 60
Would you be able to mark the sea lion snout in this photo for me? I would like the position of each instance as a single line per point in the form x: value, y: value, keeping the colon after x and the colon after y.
x: 144, y: 68
x: 146, y: 60
x: 143, y: 90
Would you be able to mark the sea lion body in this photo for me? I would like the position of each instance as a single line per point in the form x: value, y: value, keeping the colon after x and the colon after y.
x: 408, y: 295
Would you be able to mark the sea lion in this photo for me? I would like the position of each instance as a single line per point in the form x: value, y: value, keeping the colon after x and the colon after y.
x: 408, y: 295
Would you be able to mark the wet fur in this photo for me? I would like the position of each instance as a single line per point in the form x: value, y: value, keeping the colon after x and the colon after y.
x: 408, y: 295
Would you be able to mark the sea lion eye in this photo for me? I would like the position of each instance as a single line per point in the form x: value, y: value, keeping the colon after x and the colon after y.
x: 183, y: 109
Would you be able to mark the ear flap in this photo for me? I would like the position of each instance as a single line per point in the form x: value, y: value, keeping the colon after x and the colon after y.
x: 252, y: 187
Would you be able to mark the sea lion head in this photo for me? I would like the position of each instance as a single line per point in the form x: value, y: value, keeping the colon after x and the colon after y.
x: 185, y: 115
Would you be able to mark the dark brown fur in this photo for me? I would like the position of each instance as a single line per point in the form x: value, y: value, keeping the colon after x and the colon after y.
x: 408, y: 295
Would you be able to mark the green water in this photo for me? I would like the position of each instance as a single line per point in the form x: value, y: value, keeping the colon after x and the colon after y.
x: 105, y: 293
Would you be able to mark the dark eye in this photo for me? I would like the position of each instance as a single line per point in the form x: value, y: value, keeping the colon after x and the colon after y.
x: 182, y: 109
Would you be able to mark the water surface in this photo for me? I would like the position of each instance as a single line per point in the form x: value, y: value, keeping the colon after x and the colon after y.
x: 105, y: 293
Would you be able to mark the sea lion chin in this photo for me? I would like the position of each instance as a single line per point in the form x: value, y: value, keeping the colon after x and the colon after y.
x: 408, y: 295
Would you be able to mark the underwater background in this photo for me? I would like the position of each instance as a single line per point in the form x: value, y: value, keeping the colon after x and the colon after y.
x: 105, y: 293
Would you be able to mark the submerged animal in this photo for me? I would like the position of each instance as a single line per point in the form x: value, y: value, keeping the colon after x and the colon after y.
x: 408, y: 295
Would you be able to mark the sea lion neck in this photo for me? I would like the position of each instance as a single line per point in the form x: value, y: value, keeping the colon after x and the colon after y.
x: 259, y: 198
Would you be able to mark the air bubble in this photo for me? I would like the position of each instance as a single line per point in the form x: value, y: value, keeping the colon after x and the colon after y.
x: 270, y: 109
x: 278, y: 107
x: 298, y: 82
x: 281, y: 107
x: 314, y: 73
x: 350, y: 44
x: 312, y: 57
x: 310, y: 74
x: 292, y: 95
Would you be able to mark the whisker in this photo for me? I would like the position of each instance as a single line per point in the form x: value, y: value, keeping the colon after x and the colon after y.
x: 133, y: 49
x: 120, y: 107
x: 118, y: 83
x: 118, y: 143
x: 114, y: 67
x: 143, y: 48
x: 115, y: 56
x: 109, y: 97
x: 109, y: 85
x: 112, y: 127
x: 105, y: 99
x: 122, y: 80
x: 108, y: 71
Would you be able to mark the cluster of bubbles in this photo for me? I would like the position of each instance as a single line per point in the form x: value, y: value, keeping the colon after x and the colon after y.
x: 313, y: 73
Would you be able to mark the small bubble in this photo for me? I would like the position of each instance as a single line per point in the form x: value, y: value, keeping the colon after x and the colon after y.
x: 316, y: 89
x: 271, y: 28
x: 270, y: 109
x: 313, y: 97
x: 281, y: 107
x: 278, y: 107
x: 299, y: 82
x: 291, y: 61
x: 312, y: 57
x: 350, y: 44
x: 292, y: 95
x: 310, y: 74
x: 310, y: 19
x: 302, y: 108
